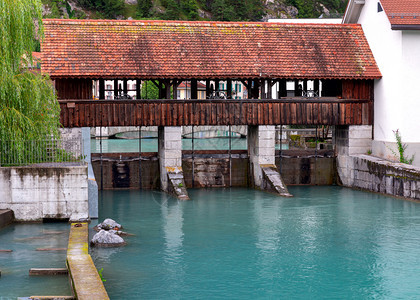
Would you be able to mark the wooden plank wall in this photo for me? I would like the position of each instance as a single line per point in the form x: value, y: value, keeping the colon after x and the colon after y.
x: 357, y: 89
x: 79, y: 113
x: 74, y: 88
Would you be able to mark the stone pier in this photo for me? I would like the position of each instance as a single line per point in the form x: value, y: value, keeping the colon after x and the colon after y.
x: 170, y: 161
x: 350, y: 141
x: 263, y: 170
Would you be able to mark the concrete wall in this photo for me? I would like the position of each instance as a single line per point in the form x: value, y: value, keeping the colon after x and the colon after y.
x: 307, y: 170
x: 34, y: 193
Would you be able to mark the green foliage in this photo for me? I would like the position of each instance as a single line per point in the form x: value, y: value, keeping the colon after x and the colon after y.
x: 100, y: 275
x: 28, y: 106
x: 401, y: 149
x: 149, y: 90
x: 312, y: 8
x: 109, y: 8
x: 144, y: 8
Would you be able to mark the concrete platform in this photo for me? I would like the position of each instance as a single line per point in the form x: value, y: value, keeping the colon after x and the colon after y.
x: 6, y: 217
x: 87, y: 284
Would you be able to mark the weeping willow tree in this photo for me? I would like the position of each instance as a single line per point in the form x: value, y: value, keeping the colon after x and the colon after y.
x: 29, y: 110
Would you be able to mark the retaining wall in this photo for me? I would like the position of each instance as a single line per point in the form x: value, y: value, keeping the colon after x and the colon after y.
x: 382, y: 176
x: 39, y: 192
x: 210, y: 169
x: 356, y: 169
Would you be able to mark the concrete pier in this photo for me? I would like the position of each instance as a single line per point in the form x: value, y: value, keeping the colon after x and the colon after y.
x: 261, y: 150
x: 170, y: 161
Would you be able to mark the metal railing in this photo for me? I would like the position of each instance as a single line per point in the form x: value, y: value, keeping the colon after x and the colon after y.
x: 28, y: 152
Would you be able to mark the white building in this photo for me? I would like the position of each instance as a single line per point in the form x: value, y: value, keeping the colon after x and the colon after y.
x: 392, y: 28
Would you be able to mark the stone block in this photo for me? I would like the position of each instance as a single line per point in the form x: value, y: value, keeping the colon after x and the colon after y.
x: 360, y: 132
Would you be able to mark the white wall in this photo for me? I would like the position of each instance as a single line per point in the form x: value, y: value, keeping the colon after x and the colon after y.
x: 386, y: 47
x: 397, y: 103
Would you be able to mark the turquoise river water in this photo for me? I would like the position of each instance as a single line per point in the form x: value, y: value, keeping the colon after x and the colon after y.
x: 151, y: 145
x: 325, y: 243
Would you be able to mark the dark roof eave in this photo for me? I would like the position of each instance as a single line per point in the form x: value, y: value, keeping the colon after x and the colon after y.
x: 405, y: 26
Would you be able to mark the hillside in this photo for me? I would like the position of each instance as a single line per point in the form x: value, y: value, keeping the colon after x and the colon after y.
x: 217, y: 10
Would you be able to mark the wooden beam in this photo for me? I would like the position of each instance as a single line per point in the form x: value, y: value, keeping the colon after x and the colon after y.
x: 229, y: 88
x: 297, y: 91
x: 48, y: 271
x: 282, y: 88
x: 101, y: 89
x: 115, y: 88
x: 208, y: 88
x: 194, y: 87
x: 316, y: 87
x: 125, y: 86
x: 138, y: 89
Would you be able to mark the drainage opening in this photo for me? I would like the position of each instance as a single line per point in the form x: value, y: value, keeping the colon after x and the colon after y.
x: 55, y: 220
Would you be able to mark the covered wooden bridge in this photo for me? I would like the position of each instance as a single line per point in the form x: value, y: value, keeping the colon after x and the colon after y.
x: 330, y: 68
x: 308, y: 74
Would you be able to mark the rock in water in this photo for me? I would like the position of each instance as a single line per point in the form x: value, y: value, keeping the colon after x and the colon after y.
x: 109, y: 224
x: 107, y: 239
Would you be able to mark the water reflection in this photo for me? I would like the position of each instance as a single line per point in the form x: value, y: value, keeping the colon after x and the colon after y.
x: 172, y: 222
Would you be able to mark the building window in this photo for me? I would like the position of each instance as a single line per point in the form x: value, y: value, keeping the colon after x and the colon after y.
x: 379, y: 7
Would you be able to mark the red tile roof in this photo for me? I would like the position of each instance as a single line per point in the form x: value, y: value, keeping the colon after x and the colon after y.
x: 178, y: 49
x: 402, y: 12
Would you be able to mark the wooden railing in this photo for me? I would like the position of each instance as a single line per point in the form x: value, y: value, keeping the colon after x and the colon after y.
x: 322, y: 111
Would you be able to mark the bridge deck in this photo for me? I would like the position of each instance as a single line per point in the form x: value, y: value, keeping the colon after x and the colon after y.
x: 322, y: 111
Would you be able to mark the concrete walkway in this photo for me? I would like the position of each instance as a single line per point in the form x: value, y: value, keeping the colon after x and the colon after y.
x: 87, y: 284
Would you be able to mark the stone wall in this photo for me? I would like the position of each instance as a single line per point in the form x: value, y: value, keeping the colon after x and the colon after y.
x: 210, y: 170
x: 382, y: 176
x: 36, y: 193
x: 356, y: 169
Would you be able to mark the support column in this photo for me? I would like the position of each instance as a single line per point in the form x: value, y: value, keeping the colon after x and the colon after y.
x: 92, y: 184
x: 350, y: 141
x: 170, y: 161
x: 261, y: 150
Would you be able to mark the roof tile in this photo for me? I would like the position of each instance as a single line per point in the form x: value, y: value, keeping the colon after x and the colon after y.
x: 179, y: 49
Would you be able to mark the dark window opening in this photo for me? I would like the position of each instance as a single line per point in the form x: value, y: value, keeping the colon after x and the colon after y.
x: 380, y: 7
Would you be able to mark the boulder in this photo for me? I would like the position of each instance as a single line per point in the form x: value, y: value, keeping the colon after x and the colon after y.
x: 107, y: 239
x: 109, y: 224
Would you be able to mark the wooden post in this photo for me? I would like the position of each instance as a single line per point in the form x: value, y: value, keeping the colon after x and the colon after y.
x: 138, y: 89
x: 270, y: 84
x: 316, y: 87
x: 175, y: 84
x: 125, y: 86
x: 167, y: 89
x: 305, y: 86
x: 208, y: 90
x: 194, y: 92
x: 229, y: 88
x: 297, y: 88
x: 115, y: 88
x: 263, y: 89
x: 101, y: 89
x: 282, y: 88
